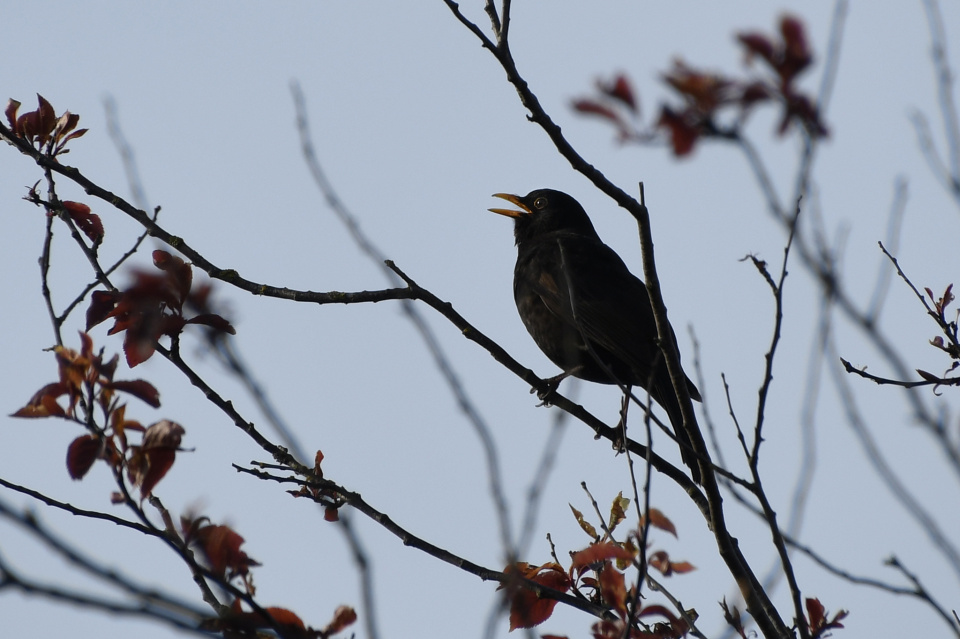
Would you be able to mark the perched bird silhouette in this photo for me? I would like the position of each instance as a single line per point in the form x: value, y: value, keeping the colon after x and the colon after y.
x: 584, y: 308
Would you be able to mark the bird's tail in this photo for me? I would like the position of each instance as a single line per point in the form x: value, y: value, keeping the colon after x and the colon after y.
x: 666, y: 397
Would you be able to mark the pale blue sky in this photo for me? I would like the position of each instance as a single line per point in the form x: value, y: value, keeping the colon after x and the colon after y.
x: 416, y: 127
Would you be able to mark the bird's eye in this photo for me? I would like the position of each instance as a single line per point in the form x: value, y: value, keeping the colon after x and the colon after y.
x: 540, y: 203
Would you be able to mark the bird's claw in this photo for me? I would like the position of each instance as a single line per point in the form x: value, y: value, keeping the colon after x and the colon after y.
x: 552, y: 384
x: 544, y: 396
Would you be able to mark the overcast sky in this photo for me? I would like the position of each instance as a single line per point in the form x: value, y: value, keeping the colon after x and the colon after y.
x: 416, y: 128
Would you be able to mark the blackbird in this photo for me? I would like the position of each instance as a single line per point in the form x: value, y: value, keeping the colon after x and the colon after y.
x: 584, y: 308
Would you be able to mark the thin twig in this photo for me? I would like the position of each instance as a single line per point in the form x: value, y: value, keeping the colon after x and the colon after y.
x: 754, y: 460
x: 894, y: 224
x: 939, y: 540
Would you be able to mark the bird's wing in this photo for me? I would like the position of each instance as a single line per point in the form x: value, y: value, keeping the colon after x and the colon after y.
x: 594, y: 290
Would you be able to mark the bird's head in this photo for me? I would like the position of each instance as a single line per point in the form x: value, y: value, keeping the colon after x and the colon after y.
x: 545, y: 211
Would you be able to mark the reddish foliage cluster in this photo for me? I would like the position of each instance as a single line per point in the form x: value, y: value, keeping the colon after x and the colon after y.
x: 89, y: 223
x: 705, y: 95
x: 731, y: 614
x: 150, y: 461
x: 952, y: 346
x: 87, y: 382
x: 820, y: 626
x: 615, y: 97
x: 220, y: 547
x: 153, y: 307
x: 817, y: 619
x: 787, y: 57
x: 527, y: 609
x: 242, y: 623
x: 596, y: 574
x: 329, y: 497
x: 42, y: 128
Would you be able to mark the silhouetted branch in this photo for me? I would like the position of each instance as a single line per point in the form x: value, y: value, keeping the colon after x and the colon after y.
x: 326, y: 489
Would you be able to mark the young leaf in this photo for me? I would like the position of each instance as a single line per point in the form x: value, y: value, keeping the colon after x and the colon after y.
x: 138, y: 388
x: 81, y: 454
x: 584, y: 524
x: 617, y: 508
x: 86, y: 221
x: 659, y: 520
x: 343, y: 617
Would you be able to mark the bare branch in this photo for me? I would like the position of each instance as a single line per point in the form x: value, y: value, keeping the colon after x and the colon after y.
x: 326, y: 487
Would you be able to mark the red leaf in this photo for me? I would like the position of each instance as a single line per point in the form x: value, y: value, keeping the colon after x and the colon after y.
x: 101, y: 306
x: 67, y: 122
x: 585, y: 525
x: 151, y: 460
x: 181, y: 274
x: 589, y: 107
x: 757, y: 44
x: 11, y: 113
x: 285, y: 617
x: 214, y: 321
x: 221, y: 546
x: 753, y: 93
x: 621, y: 90
x: 527, y: 609
x: 27, y: 125
x: 37, y: 125
x: 815, y: 612
x: 683, y: 134
x: 681, y: 567
x: 48, y: 117
x: 705, y: 91
x: 599, y: 552
x: 316, y: 463
x: 613, y: 588
x: 796, y: 55
x: 155, y: 466
x: 138, y: 388
x: 657, y: 609
x: 44, y: 402
x: 109, y: 368
x: 76, y: 134
x: 88, y: 222
x: 172, y: 325
x: 343, y: 617
x: 660, y: 560
x: 240, y: 622
x: 799, y: 108
x: 732, y: 616
x: 81, y: 454
x: 659, y: 520
x: 137, y: 350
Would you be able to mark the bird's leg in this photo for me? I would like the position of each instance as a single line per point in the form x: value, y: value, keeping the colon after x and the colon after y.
x: 552, y: 384
x: 620, y: 444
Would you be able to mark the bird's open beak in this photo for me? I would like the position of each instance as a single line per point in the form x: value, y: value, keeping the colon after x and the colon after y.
x: 513, y: 199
